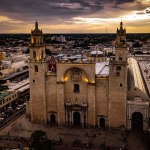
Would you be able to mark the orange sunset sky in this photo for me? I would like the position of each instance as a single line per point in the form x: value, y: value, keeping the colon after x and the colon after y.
x: 74, y: 16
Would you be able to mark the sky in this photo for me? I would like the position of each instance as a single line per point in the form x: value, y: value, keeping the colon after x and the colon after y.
x: 74, y: 16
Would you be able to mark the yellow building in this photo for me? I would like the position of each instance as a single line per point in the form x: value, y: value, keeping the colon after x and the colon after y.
x: 78, y: 93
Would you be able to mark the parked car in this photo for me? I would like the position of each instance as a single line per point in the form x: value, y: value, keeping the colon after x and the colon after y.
x: 19, y: 107
x: 2, y: 119
x: 8, y: 113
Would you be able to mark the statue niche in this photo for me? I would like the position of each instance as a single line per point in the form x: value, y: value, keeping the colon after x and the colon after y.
x: 52, y: 64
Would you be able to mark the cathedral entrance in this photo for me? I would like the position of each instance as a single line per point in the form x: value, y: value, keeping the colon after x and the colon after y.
x: 76, y: 119
x: 137, y: 121
x: 52, y: 119
x: 102, y: 123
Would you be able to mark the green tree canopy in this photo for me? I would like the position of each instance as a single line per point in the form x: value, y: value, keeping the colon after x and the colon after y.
x: 40, y: 141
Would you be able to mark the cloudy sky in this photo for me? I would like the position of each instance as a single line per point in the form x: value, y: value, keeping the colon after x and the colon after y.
x: 74, y: 16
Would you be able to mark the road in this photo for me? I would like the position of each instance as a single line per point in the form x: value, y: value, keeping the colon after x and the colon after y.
x: 15, y: 114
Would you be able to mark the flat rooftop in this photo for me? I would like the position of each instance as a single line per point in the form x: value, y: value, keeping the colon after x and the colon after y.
x: 102, y: 68
x: 17, y: 86
x: 12, y: 75
x: 136, y: 82
x: 4, y: 94
x: 145, y: 70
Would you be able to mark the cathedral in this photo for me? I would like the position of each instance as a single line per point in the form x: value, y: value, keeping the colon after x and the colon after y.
x: 85, y: 93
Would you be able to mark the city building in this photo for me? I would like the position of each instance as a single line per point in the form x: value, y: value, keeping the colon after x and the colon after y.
x: 58, y: 38
x: 86, y: 93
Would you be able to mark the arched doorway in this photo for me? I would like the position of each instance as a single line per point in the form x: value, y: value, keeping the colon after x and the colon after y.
x: 76, y: 119
x: 52, y: 119
x: 102, y: 123
x: 137, y: 121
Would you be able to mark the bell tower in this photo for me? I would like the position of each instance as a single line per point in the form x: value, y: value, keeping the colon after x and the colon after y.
x: 121, y: 46
x: 37, y: 69
x: 118, y: 81
x: 37, y: 47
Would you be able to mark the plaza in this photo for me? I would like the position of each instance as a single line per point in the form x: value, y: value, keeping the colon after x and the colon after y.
x: 23, y: 128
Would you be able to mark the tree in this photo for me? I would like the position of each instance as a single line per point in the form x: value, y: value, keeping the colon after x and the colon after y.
x: 40, y: 141
x: 0, y: 147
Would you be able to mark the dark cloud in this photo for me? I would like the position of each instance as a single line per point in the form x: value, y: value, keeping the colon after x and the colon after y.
x: 125, y: 1
x: 29, y: 9
x: 147, y: 11
x: 50, y: 12
x: 131, y: 5
x: 53, y: 10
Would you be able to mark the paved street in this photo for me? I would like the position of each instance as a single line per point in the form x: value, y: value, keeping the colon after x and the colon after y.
x: 13, y: 116
x: 23, y: 128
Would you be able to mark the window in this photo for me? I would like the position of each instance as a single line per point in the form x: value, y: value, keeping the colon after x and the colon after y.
x: 33, y: 81
x: 76, y: 88
x: 120, y: 84
x: 118, y: 68
x: 118, y: 74
x: 42, y: 54
x: 34, y: 40
x: 34, y: 54
x: 120, y: 57
x: 36, y: 68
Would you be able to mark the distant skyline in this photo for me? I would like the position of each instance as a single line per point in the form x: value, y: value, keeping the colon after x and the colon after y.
x: 74, y: 16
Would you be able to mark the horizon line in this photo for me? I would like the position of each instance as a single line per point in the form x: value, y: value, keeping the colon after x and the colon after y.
x: 83, y: 33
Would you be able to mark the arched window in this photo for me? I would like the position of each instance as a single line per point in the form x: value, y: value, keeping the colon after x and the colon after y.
x: 42, y: 54
x: 34, y: 54
x: 76, y: 88
x: 52, y: 69
x: 34, y: 40
x: 120, y: 57
x: 36, y: 68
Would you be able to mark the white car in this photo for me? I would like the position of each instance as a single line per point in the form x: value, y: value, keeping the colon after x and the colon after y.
x: 19, y: 107
x: 9, y: 108
x: 1, y: 119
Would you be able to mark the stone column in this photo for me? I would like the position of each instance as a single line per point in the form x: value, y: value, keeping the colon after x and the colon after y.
x: 91, y: 105
x: 60, y: 103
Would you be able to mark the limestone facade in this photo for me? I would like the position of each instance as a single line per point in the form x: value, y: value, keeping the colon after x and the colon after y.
x: 78, y: 93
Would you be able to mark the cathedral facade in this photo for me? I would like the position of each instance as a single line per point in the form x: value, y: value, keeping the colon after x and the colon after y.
x: 78, y: 93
